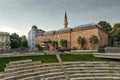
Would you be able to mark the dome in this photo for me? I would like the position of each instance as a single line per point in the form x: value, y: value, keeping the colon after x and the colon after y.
x: 83, y: 26
x: 50, y: 32
x: 64, y: 29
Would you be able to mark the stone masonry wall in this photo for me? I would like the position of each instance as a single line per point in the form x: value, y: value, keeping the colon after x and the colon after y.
x: 72, y: 37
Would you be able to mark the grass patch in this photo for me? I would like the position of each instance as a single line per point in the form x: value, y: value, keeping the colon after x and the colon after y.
x: 43, y: 58
x: 51, y: 58
x: 80, y: 57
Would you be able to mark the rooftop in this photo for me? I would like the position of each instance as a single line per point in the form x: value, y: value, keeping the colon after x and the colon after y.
x: 74, y: 28
x: 5, y: 33
x: 50, y: 32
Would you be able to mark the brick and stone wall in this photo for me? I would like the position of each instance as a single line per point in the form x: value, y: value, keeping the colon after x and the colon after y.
x: 86, y: 33
x: 103, y: 37
x: 72, y: 36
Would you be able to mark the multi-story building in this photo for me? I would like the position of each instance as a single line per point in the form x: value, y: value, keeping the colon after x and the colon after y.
x: 32, y: 34
x: 4, y: 42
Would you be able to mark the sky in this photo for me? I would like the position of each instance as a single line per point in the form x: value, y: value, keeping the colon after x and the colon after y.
x: 18, y: 16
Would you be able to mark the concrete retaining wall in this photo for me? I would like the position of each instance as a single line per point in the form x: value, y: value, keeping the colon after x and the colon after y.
x: 112, y: 50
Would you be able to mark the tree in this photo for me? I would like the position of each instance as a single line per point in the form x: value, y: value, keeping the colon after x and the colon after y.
x: 55, y: 44
x: 106, y: 26
x: 18, y: 42
x: 23, y: 41
x: 15, y: 40
x: 81, y: 41
x: 116, y: 31
x: 63, y: 43
x: 94, y: 40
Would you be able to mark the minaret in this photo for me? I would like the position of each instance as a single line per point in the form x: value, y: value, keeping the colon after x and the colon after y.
x: 65, y: 21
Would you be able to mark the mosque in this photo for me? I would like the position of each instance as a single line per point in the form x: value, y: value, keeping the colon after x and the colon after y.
x: 71, y: 35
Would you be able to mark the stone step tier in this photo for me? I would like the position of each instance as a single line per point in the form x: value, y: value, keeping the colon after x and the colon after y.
x: 82, y: 70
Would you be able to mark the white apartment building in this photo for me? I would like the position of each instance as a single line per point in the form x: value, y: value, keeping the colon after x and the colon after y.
x: 4, y: 42
x: 32, y: 34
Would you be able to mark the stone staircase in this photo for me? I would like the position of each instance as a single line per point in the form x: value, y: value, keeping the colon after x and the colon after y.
x: 83, y: 70
x: 61, y: 63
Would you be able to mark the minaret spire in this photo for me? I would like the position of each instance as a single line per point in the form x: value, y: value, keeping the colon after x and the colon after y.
x: 65, y: 20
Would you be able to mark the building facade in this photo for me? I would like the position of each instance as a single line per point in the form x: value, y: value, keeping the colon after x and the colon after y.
x: 32, y: 34
x: 4, y: 42
x: 72, y: 34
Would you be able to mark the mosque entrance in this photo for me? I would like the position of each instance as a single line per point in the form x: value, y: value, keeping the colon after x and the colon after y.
x: 46, y: 44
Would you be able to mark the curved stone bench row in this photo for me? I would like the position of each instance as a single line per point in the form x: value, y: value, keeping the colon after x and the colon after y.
x: 96, y: 78
x: 55, y: 71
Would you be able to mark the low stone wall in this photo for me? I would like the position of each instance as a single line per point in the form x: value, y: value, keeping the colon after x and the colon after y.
x: 23, y: 54
x: 84, y: 51
x: 112, y: 50
x: 107, y: 55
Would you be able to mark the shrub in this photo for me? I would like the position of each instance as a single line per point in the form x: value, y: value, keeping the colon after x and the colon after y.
x: 101, y: 50
x: 55, y: 44
x: 63, y: 50
x: 81, y: 41
x: 94, y: 40
x: 39, y: 47
x: 63, y: 43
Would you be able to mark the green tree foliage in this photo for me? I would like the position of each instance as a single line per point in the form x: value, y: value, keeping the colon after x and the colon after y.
x: 23, y: 41
x: 17, y: 42
x: 116, y: 31
x: 81, y: 41
x: 105, y: 25
x: 94, y: 40
x: 63, y: 43
x: 55, y: 44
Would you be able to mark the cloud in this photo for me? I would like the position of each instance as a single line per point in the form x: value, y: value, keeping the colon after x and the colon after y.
x: 4, y: 28
x: 20, y: 15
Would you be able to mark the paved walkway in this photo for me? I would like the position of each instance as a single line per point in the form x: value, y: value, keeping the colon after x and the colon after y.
x: 58, y: 58
x: 61, y: 63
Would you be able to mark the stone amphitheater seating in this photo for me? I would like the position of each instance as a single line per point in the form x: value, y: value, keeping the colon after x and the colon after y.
x: 83, y: 70
x: 28, y: 70
x: 93, y: 70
